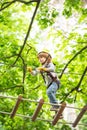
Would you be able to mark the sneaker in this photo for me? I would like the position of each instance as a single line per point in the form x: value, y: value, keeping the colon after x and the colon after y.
x: 61, y: 116
x: 54, y: 108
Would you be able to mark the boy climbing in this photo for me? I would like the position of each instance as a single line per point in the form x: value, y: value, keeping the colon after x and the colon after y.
x: 47, y: 71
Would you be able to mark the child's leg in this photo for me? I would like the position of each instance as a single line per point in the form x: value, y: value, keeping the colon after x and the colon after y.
x: 51, y: 93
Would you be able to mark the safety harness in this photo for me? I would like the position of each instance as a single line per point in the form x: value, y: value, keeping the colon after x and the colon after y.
x: 54, y: 79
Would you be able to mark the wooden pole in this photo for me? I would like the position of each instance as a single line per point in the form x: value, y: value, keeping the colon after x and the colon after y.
x: 58, y: 114
x: 41, y: 102
x: 16, y: 107
x: 80, y: 116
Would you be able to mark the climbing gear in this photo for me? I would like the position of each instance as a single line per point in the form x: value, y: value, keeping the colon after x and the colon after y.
x: 46, y: 55
x: 54, y: 79
x: 57, y: 82
x: 43, y: 53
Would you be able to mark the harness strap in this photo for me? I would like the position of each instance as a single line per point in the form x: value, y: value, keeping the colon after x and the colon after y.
x: 43, y: 76
x: 57, y: 82
x: 54, y: 79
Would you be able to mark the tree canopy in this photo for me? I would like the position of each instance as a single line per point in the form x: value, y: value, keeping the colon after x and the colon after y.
x: 27, y: 27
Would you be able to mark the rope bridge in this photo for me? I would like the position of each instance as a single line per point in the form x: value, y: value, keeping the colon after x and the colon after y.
x: 38, y: 108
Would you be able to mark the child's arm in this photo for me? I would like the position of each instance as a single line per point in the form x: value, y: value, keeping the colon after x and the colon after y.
x: 49, y: 68
x: 29, y: 69
x: 33, y: 72
x: 42, y: 69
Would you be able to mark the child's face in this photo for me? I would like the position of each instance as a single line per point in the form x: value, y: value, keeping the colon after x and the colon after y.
x: 42, y: 59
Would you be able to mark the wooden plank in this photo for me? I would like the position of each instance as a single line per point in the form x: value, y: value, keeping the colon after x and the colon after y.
x: 80, y: 116
x: 16, y: 107
x: 58, y: 114
x: 41, y: 102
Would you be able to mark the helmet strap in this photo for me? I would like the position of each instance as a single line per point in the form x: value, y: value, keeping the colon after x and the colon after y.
x: 45, y: 62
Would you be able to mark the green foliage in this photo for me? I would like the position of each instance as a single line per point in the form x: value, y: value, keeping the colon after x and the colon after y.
x: 65, y: 127
x: 1, y: 127
x: 70, y: 6
x: 14, y: 78
x: 46, y: 16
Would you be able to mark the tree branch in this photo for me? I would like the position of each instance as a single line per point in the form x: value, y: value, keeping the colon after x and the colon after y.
x: 27, y: 2
x: 84, y: 73
x: 16, y: 86
x: 78, y: 85
x: 72, y: 60
x: 28, y: 32
x: 24, y: 69
x: 7, y: 4
x: 30, y: 47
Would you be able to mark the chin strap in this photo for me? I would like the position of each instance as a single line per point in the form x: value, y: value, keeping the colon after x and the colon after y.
x: 45, y: 62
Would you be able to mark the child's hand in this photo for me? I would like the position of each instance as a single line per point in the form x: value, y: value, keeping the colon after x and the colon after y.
x: 29, y: 69
x: 42, y: 69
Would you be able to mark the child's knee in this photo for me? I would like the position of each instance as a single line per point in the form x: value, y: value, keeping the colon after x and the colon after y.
x: 49, y: 92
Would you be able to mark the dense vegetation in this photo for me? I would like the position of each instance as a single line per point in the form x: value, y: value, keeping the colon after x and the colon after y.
x: 24, y: 24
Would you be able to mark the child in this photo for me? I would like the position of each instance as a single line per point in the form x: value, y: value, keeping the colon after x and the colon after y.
x: 50, y: 78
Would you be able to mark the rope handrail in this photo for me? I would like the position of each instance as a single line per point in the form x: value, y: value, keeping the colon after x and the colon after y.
x: 30, y: 117
x: 37, y: 101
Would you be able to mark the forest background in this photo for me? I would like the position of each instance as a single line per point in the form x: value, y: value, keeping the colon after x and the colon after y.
x: 27, y: 27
